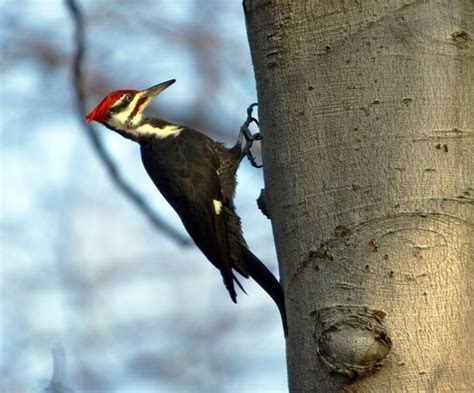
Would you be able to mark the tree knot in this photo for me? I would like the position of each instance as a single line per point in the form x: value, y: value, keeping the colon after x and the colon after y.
x: 353, y: 340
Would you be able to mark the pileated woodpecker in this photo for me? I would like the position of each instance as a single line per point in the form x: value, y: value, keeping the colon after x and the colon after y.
x: 197, y: 176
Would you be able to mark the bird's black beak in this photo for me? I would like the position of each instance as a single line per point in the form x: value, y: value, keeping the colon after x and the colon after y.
x: 153, y: 91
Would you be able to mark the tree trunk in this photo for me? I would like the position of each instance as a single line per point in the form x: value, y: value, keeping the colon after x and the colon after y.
x: 366, y: 111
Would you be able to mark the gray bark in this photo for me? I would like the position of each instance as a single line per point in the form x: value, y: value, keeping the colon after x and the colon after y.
x: 367, y: 116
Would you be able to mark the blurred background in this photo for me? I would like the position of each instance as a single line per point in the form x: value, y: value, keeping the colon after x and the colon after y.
x: 134, y: 308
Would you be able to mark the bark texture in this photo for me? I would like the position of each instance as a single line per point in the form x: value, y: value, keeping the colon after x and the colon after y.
x: 367, y: 111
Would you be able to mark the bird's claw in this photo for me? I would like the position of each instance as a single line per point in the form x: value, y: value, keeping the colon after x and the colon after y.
x: 249, y: 137
x: 250, y: 156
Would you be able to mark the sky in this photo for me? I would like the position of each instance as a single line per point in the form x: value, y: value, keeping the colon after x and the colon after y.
x: 81, y: 268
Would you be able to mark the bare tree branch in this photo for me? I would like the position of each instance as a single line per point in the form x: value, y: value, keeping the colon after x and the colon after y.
x: 58, y: 381
x: 96, y: 142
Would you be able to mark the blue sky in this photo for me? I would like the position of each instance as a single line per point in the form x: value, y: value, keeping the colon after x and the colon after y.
x: 80, y: 266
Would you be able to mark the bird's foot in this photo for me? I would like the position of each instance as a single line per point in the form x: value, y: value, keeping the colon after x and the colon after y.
x: 249, y: 137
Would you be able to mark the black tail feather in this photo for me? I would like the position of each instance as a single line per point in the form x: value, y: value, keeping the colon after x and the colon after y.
x: 229, y: 284
x: 264, y: 277
x: 240, y: 285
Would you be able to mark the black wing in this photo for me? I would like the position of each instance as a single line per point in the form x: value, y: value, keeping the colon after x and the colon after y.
x: 186, y: 174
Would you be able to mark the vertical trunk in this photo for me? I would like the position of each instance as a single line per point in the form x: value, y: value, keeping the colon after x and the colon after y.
x: 366, y: 111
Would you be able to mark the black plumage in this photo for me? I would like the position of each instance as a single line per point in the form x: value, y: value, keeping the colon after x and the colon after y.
x: 191, y: 171
x: 188, y: 172
x: 197, y: 176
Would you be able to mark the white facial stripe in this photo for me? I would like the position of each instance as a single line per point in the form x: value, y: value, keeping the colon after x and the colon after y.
x: 217, y: 206
x: 123, y: 121
x: 119, y: 101
x: 161, y: 133
x: 138, y: 116
x: 123, y: 116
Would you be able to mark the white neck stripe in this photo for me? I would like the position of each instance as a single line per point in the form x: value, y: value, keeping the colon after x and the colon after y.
x: 161, y: 133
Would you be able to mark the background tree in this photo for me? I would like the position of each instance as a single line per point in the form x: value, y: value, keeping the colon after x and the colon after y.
x: 366, y: 111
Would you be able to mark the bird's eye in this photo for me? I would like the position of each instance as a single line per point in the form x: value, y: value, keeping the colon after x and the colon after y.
x: 128, y: 97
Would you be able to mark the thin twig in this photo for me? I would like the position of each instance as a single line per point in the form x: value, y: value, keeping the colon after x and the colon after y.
x: 96, y: 142
x: 58, y: 381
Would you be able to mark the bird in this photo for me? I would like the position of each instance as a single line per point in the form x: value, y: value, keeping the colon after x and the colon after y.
x: 197, y: 177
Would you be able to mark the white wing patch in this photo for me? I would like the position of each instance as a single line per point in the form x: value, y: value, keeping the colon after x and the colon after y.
x: 217, y: 206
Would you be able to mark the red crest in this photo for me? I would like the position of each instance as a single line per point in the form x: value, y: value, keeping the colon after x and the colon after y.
x: 99, y: 113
